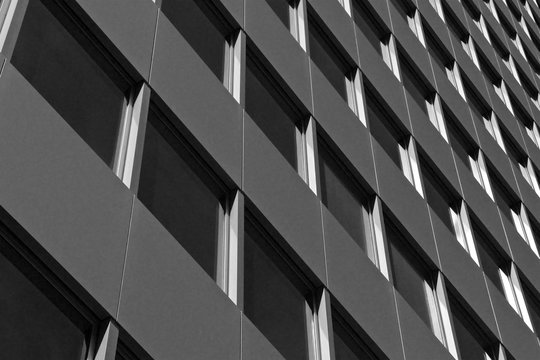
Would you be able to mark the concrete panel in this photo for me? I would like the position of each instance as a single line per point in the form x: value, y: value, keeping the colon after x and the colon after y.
x: 283, y: 198
x: 346, y: 130
x: 130, y: 25
x: 61, y: 192
x: 278, y: 46
x: 360, y: 288
x: 196, y: 97
x: 419, y: 341
x: 526, y: 260
x: 435, y: 22
x: 405, y: 203
x: 254, y: 345
x: 169, y: 305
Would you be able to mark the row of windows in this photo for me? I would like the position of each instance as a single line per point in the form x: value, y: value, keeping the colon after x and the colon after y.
x: 196, y: 208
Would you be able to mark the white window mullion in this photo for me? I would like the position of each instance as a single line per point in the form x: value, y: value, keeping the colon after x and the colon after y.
x: 393, y: 56
x: 467, y: 230
x: 484, y: 174
x: 359, y: 97
x: 377, y: 250
x: 508, y: 290
x: 516, y: 284
x: 415, y: 168
x: 325, y: 330
x: 446, y: 320
x: 528, y: 230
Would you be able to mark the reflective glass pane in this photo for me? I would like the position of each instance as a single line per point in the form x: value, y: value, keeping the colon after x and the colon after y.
x: 407, y: 273
x: 32, y: 327
x: 61, y: 70
x: 382, y: 131
x: 270, y: 114
x: 272, y: 302
x: 346, y: 347
x: 282, y: 10
x: 340, y: 196
x: 177, y: 196
x: 202, y: 33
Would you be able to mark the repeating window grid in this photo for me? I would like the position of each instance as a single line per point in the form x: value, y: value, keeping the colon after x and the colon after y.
x: 514, y: 293
x: 409, y: 163
x: 389, y: 53
x: 462, y: 229
x: 435, y: 114
x: 415, y: 24
x: 468, y: 46
x: 492, y: 126
x: 438, y: 8
x: 479, y: 170
x: 523, y: 227
x: 528, y: 172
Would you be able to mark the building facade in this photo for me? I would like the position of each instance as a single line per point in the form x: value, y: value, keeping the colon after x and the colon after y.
x: 270, y: 179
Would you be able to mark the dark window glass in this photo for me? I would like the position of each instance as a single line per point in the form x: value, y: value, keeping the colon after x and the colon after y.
x: 489, y: 259
x: 341, y: 196
x: 411, y: 83
x: 533, y: 305
x: 326, y: 59
x: 60, y: 69
x: 347, y: 346
x: 382, y: 130
x: 282, y: 10
x: 501, y: 198
x: 470, y: 341
x: 268, y: 111
x: 271, y: 301
x: 363, y: 20
x: 207, y: 39
x: 459, y: 144
x: 176, y: 195
x: 436, y: 52
x: 32, y: 327
x: 407, y: 272
x: 436, y: 196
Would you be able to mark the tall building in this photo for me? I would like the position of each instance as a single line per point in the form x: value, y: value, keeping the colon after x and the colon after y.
x: 269, y: 179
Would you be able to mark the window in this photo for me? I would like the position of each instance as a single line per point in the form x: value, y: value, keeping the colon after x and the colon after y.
x: 68, y: 76
x: 480, y: 173
x: 500, y: 89
x: 536, y: 100
x: 438, y: 7
x: 529, y: 173
x: 389, y: 54
x: 490, y: 259
x: 172, y: 188
x: 291, y: 14
x: 284, y: 319
x: 435, y: 114
x: 514, y: 293
x: 32, y: 326
x: 462, y: 229
x: 523, y: 227
x: 328, y: 59
x: 521, y: 22
x: 453, y: 74
x: 409, y: 163
x: 481, y: 24
x: 472, y: 342
x: 508, y: 60
x: 415, y: 24
x: 533, y: 133
x: 517, y: 42
x: 468, y: 46
x: 414, y: 281
x: 205, y: 31
x: 400, y: 148
x: 492, y: 126
x: 438, y: 196
x: 533, y: 304
x: 348, y: 346
x: 272, y: 111
x: 359, y: 216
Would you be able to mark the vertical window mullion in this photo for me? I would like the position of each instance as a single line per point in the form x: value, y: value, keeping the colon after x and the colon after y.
x: 380, y: 251
x: 484, y: 174
x: 446, y: 319
x: 309, y: 140
x: 516, y: 284
x: 325, y: 327
x: 128, y: 155
x: 527, y: 230
x: 413, y: 162
x: 440, y: 117
x: 419, y: 28
x: 393, y: 56
x: 467, y: 231
x: 358, y: 89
